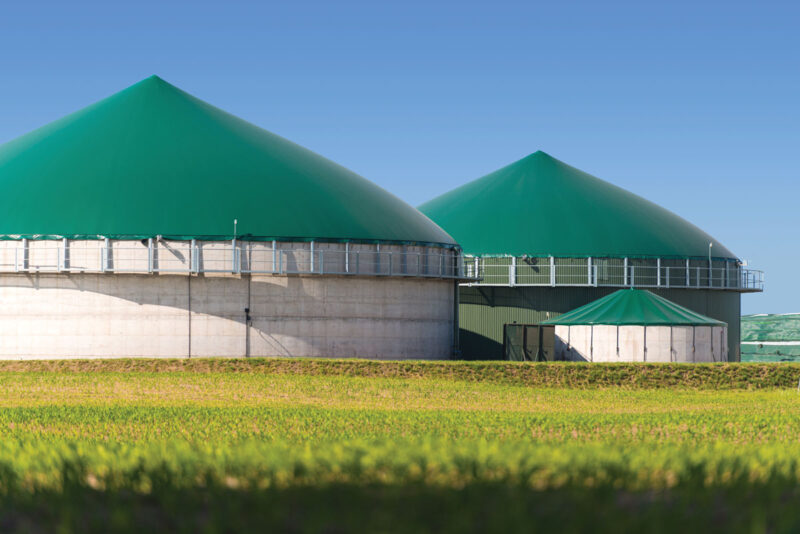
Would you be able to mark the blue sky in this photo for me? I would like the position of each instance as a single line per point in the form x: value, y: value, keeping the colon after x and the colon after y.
x: 694, y: 105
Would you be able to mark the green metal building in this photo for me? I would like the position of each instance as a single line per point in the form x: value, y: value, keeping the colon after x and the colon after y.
x: 545, y: 238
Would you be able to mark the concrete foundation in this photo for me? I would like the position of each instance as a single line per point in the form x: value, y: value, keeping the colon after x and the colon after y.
x: 70, y: 315
x: 608, y: 343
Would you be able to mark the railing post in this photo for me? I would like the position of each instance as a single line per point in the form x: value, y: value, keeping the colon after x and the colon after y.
x: 589, y: 269
x: 312, y: 256
x: 658, y: 272
x: 477, y: 268
x: 193, y: 256
x: 552, y: 271
x: 698, y: 276
x: 667, y: 273
x: 512, y: 272
x: 633, y: 275
x: 390, y: 262
x: 347, y: 257
x: 274, y: 255
x: 149, y: 254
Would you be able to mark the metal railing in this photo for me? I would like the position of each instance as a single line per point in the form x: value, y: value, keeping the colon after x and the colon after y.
x: 600, y: 272
x: 234, y: 257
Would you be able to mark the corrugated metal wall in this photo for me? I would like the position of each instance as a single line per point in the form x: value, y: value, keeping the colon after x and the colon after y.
x: 484, y: 310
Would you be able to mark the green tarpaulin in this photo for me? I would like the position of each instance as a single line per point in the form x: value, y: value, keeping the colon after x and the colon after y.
x: 540, y: 206
x: 634, y: 307
x: 153, y: 160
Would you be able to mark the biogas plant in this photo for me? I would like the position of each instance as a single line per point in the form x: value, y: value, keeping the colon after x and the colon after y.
x: 152, y: 224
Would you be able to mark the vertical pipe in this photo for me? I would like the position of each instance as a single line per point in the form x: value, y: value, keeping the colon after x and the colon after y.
x: 189, y: 309
x: 25, y: 255
x: 193, y: 258
x: 149, y: 254
x: 274, y: 256
x: 477, y: 268
x: 107, y: 262
x: 512, y: 272
x: 591, y: 342
x: 688, y: 283
x: 658, y: 272
x: 312, y: 256
x: 456, y: 332
x: 64, y: 259
x: 234, y: 263
x: 552, y: 271
x: 617, y: 341
x: 589, y: 270
x: 347, y: 257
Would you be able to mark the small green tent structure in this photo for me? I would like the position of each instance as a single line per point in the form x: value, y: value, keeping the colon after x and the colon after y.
x: 634, y: 307
x: 637, y: 325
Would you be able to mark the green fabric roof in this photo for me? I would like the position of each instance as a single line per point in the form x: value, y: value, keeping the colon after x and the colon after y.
x: 634, y: 307
x: 540, y: 206
x: 154, y: 160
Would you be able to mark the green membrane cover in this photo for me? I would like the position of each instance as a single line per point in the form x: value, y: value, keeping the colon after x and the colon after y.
x: 540, y: 206
x: 154, y: 160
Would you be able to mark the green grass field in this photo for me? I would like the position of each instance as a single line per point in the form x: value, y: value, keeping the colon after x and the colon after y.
x: 340, y: 446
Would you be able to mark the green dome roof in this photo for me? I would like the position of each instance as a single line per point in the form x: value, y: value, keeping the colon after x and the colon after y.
x: 634, y: 307
x: 154, y: 160
x: 540, y: 206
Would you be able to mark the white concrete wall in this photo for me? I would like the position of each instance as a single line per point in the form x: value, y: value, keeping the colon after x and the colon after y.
x: 604, y: 343
x: 136, y: 315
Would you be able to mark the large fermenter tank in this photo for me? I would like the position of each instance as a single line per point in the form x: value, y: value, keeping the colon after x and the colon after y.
x: 545, y: 238
x: 154, y: 224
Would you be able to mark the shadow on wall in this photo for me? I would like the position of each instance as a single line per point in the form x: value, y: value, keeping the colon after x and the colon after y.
x: 479, y: 347
x: 71, y: 315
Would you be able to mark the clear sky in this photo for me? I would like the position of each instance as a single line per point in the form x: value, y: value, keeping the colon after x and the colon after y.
x: 694, y: 105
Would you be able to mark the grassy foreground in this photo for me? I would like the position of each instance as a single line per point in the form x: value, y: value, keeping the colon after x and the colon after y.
x: 337, y: 446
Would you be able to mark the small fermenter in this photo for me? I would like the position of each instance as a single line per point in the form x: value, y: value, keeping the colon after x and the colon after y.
x: 633, y: 325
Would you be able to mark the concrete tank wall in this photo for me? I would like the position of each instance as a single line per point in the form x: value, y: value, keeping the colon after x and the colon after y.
x: 608, y: 343
x: 88, y: 315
